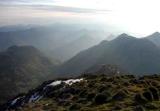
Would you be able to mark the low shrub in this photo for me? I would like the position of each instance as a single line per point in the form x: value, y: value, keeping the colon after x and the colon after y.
x: 119, y: 96
x: 74, y: 107
x: 91, y: 96
x: 140, y: 99
x: 100, y: 99
x: 139, y: 108
x: 154, y: 92
x: 148, y: 95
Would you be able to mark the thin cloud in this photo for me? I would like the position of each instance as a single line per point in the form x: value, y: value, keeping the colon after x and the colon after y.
x: 56, y: 8
x: 68, y: 9
x: 24, y: 1
x: 49, y: 6
x: 16, y: 12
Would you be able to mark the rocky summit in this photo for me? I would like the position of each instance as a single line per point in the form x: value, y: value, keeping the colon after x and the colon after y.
x: 91, y: 93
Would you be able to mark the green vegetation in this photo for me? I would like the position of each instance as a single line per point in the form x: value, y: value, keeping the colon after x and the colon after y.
x: 103, y: 93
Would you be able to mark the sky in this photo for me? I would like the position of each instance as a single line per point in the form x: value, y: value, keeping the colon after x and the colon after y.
x: 138, y: 17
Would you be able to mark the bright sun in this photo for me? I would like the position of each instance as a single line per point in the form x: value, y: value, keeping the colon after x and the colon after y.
x: 140, y: 16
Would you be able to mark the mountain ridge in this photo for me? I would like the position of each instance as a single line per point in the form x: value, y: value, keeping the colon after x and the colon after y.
x: 128, y: 52
x: 155, y: 38
x: 22, y: 68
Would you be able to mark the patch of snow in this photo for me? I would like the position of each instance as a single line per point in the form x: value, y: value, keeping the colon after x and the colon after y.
x: 71, y: 81
x: 35, y: 97
x: 14, y: 101
x: 55, y: 83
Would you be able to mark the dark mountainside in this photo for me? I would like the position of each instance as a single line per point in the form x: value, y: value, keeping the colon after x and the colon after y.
x: 133, y: 55
x: 155, y: 38
x: 52, y: 40
x: 21, y: 69
x: 99, y: 92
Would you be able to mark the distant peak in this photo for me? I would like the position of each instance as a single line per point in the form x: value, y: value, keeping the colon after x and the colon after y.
x: 156, y: 34
x: 123, y: 35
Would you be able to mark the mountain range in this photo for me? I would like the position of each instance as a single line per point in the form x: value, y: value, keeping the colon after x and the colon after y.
x: 134, y: 55
x: 55, y: 40
x: 24, y: 67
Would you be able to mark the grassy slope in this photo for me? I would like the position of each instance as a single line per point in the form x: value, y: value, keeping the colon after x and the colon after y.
x: 102, y: 93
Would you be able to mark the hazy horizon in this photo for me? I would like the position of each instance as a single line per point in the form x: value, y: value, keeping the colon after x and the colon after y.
x: 138, y: 18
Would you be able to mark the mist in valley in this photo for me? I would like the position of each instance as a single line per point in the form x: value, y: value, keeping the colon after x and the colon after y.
x: 78, y: 55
